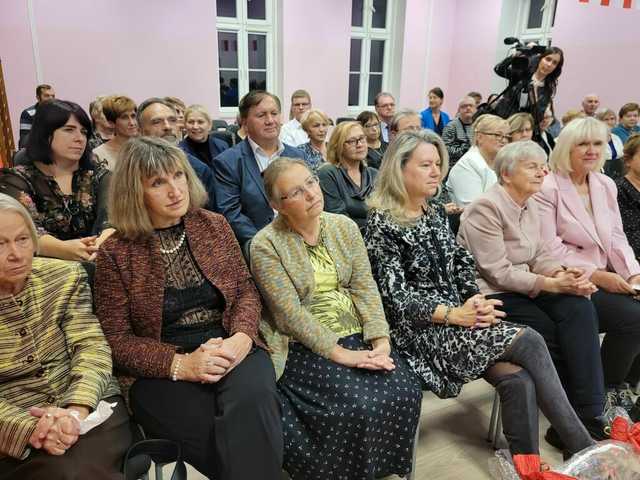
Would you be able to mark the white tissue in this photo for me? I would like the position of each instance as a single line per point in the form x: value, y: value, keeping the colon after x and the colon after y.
x: 100, y: 415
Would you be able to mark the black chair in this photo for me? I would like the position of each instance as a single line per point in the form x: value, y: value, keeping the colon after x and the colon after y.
x: 137, y: 461
x: 20, y: 158
x: 223, y: 135
x: 219, y: 125
x: 344, y: 119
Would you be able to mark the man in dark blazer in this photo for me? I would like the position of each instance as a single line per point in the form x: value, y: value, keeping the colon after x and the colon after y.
x: 240, y: 194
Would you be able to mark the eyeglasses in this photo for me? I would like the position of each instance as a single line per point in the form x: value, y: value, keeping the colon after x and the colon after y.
x: 352, y: 142
x: 372, y: 125
x: 297, y: 193
x: 498, y: 136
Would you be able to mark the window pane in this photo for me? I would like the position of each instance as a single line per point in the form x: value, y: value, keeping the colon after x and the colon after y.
x: 355, y: 55
x: 257, y: 48
x: 228, y: 88
x: 227, y: 50
x: 257, y: 81
x: 256, y: 9
x: 356, y: 13
x: 226, y: 8
x: 354, y: 89
x: 377, y: 56
x: 375, y: 86
x: 379, y: 19
x: 535, y: 14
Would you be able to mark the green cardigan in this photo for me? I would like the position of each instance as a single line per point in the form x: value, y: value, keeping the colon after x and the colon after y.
x: 285, y: 277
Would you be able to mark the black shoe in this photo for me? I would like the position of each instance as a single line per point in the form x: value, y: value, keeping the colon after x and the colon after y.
x: 553, y: 439
x: 635, y: 411
x: 596, y: 427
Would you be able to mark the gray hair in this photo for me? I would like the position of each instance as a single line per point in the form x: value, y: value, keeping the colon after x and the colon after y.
x: 380, y: 95
x: 465, y: 99
x: 404, y: 113
x: 10, y: 204
x: 147, y: 103
x: 509, y: 156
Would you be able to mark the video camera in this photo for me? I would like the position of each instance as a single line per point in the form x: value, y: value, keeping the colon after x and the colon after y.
x: 520, y: 63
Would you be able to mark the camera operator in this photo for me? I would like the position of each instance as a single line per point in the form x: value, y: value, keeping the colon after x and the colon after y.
x: 533, y: 77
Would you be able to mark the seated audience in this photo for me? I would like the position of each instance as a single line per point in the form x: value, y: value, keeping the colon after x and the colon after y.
x: 157, y: 118
x: 580, y: 220
x: 385, y: 105
x: 199, y: 140
x: 590, y: 104
x: 180, y: 311
x: 405, y: 120
x: 44, y: 92
x: 237, y: 131
x: 520, y: 126
x: 240, y: 194
x: 547, y: 140
x: 613, y: 155
x: 292, y: 132
x: 629, y: 194
x: 346, y: 397
x: 120, y: 112
x: 346, y: 180
x: 571, y: 115
x: 316, y: 124
x: 102, y: 129
x: 477, y: 97
x: 449, y: 333
x: 501, y: 229
x: 474, y: 174
x: 375, y: 145
x: 62, y: 186
x: 179, y: 107
x: 56, y: 365
x: 458, y: 134
x: 433, y: 118
x: 628, y: 121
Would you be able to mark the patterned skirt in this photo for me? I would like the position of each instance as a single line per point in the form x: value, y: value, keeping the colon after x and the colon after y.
x: 347, y: 423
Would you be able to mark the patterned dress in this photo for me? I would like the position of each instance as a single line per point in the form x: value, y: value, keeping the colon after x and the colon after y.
x: 79, y: 214
x: 418, y: 267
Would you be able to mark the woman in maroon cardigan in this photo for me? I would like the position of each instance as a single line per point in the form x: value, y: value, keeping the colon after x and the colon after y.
x: 180, y: 311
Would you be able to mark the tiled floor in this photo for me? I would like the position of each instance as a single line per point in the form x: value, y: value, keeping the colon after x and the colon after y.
x: 452, y: 443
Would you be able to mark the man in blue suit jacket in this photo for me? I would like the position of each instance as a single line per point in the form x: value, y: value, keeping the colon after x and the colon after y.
x: 240, y: 194
x: 157, y: 118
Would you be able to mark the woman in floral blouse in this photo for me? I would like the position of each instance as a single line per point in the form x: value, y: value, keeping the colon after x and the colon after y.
x: 62, y: 186
x: 448, y: 332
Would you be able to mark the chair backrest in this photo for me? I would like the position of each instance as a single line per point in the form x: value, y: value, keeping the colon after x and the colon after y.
x: 20, y: 158
x: 344, y: 119
x: 219, y: 125
x: 161, y: 451
x: 224, y: 136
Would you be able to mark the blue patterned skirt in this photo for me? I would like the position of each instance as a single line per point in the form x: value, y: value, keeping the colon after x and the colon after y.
x: 347, y: 423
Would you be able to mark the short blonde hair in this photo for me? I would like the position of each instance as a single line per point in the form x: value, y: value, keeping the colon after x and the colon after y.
x: 517, y: 122
x: 577, y: 131
x: 272, y: 173
x: 335, y: 149
x: 311, y: 116
x: 487, y: 122
x: 570, y: 115
x: 10, y: 204
x: 142, y: 158
x: 389, y: 193
x: 197, y: 109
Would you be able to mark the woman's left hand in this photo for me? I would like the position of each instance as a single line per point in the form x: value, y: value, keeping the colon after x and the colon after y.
x: 236, y: 346
x: 379, y: 358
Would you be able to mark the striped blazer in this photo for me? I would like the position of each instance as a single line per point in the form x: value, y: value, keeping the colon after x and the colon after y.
x: 284, y: 274
x: 52, y: 350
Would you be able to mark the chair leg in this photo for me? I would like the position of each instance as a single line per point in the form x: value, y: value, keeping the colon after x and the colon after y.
x: 498, y: 429
x: 495, y: 412
x: 159, y: 470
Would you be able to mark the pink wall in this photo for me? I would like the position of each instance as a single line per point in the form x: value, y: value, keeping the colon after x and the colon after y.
x: 414, y: 55
x: 315, y: 53
x: 601, y: 50
x: 473, y: 53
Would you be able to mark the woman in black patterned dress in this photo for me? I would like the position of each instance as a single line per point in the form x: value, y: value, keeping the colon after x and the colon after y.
x: 448, y: 332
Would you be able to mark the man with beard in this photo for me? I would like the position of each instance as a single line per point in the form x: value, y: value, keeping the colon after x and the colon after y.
x: 157, y: 118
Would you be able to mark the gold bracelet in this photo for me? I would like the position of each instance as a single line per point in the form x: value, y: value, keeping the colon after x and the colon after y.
x: 446, y: 316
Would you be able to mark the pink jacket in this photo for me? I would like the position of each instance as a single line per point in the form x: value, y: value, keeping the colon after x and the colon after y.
x: 505, y: 240
x: 580, y: 240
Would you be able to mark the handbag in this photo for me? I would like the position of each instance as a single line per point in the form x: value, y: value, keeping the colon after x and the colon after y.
x: 137, y: 460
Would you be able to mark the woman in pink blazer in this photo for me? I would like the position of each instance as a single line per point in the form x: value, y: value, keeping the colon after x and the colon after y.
x: 581, y: 222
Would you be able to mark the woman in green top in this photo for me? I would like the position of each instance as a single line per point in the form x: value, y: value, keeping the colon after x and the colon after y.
x: 350, y: 406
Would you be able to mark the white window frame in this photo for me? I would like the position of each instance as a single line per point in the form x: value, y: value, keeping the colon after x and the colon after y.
x: 540, y: 35
x: 367, y: 33
x: 243, y: 27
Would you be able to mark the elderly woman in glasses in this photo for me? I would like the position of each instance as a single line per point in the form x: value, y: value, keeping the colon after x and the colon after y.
x: 179, y: 308
x: 350, y: 405
x: 580, y: 219
x: 376, y: 146
x: 501, y: 229
x: 449, y: 332
x: 346, y: 180
x: 55, y: 365
x: 473, y: 174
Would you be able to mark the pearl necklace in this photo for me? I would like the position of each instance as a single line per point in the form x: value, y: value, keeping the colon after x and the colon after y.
x: 170, y: 251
